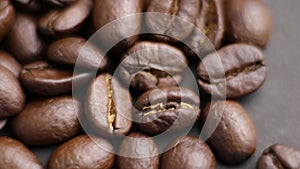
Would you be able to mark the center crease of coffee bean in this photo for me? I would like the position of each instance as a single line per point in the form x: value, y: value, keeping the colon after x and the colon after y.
x: 160, y: 107
x: 174, y: 9
x: 111, y: 104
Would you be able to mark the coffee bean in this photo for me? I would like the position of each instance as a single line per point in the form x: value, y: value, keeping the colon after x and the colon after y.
x: 148, y: 65
x: 12, y: 98
x: 83, y: 152
x: 188, y: 152
x: 234, y: 139
x: 60, y: 3
x: 10, y: 63
x: 176, y: 20
x: 233, y: 71
x: 2, y: 123
x: 15, y: 155
x: 26, y: 47
x: 44, y: 79
x: 47, y: 121
x: 106, y: 11
x: 7, y: 17
x: 247, y: 21
x: 170, y: 108
x: 76, y: 50
x: 67, y: 20
x: 279, y: 156
x: 138, y: 151
x: 108, y: 106
x: 209, y: 30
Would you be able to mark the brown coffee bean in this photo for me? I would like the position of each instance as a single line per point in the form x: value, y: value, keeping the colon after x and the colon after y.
x: 60, y: 3
x: 23, y: 41
x: 234, y: 139
x: 108, y: 106
x: 47, y: 121
x: 233, y: 71
x: 166, y: 108
x: 12, y: 98
x: 188, y: 152
x: 138, y: 151
x: 83, y: 152
x: 15, y: 155
x: 148, y: 65
x: 247, y: 21
x: 106, y: 11
x: 178, y: 19
x: 209, y: 30
x: 279, y: 156
x: 67, y: 20
x: 2, y: 123
x: 44, y: 79
x: 7, y: 17
x: 76, y: 50
x: 10, y: 63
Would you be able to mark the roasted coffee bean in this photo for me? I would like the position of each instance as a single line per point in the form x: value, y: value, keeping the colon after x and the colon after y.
x: 76, y: 50
x: 247, y: 21
x: 188, y: 152
x: 83, y: 152
x: 2, y: 124
x: 47, y: 121
x: 60, y: 3
x: 138, y: 151
x: 234, y: 139
x: 66, y: 20
x: 7, y: 17
x: 108, y: 106
x: 15, y: 155
x: 23, y: 40
x: 233, y: 71
x: 177, y: 20
x: 31, y: 5
x: 44, y: 79
x: 10, y: 63
x: 209, y: 30
x: 12, y: 98
x: 169, y: 108
x: 106, y: 11
x: 279, y: 156
x: 148, y: 65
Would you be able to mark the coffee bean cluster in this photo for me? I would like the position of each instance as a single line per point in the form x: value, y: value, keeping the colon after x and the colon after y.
x: 41, y: 41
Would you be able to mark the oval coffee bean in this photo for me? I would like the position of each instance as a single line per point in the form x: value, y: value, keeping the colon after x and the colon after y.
x: 188, y: 152
x: 2, y: 124
x: 247, y: 21
x: 234, y: 139
x: 148, y: 65
x: 44, y: 79
x: 279, y: 156
x: 67, y: 20
x: 67, y: 50
x: 169, y: 108
x: 210, y: 27
x: 10, y: 63
x: 15, y: 155
x: 235, y: 70
x: 138, y: 151
x: 178, y: 19
x: 12, y: 97
x: 7, y: 17
x: 26, y: 47
x: 108, y: 106
x: 83, y: 152
x: 106, y: 11
x: 47, y: 121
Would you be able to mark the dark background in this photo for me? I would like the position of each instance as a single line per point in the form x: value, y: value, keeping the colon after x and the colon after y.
x: 274, y: 108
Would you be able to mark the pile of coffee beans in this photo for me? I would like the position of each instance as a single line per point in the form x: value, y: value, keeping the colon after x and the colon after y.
x: 111, y: 112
